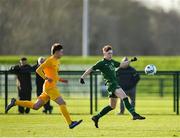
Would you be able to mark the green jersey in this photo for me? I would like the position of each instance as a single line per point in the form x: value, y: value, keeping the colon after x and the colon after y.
x: 107, y: 67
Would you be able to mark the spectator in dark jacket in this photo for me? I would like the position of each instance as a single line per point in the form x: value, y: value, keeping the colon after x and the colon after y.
x: 24, y: 85
x: 128, y: 79
x: 39, y: 85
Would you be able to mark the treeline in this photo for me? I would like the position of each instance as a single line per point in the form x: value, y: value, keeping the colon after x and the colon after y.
x: 31, y: 26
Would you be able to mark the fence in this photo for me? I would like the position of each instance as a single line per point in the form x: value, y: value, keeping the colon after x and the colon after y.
x: 162, y: 84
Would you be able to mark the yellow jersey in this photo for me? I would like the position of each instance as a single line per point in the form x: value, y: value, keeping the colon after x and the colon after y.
x: 49, y: 69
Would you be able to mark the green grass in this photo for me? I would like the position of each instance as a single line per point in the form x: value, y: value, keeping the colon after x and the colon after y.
x: 160, y: 122
x: 65, y: 59
x: 161, y: 62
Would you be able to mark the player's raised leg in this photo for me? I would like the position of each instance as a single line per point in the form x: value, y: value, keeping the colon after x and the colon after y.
x: 121, y: 94
x: 39, y: 103
x: 60, y: 101
x: 42, y: 99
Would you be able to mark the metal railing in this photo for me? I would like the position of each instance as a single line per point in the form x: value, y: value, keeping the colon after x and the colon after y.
x: 175, y: 82
x: 164, y: 80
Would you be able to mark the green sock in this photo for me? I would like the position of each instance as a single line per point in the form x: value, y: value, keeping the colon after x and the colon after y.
x: 104, y: 111
x: 129, y: 107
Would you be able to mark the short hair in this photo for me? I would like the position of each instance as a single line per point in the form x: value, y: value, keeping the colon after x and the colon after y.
x: 56, y: 47
x: 106, y: 48
x: 23, y: 59
x: 40, y: 59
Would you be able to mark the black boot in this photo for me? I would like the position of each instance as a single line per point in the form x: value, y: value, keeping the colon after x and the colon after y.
x: 138, y: 117
x: 50, y: 109
x: 96, y: 120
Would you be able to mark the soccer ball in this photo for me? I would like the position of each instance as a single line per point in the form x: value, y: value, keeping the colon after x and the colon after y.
x: 150, y: 69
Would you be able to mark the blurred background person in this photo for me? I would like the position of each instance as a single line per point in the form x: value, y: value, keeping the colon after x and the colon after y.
x: 24, y: 85
x: 128, y: 79
x: 39, y: 85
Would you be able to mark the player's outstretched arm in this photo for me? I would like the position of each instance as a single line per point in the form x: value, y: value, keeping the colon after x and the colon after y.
x: 87, y: 72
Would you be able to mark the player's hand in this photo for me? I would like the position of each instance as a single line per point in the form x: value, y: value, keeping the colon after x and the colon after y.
x: 63, y: 80
x: 48, y: 79
x: 82, y: 81
x: 134, y: 59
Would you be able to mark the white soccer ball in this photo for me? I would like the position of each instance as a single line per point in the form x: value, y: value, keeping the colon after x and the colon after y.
x: 150, y: 69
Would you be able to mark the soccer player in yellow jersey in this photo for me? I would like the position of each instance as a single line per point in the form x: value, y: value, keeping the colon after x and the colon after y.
x: 49, y: 71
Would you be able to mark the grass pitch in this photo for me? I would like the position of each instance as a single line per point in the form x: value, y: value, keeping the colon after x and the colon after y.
x: 161, y: 121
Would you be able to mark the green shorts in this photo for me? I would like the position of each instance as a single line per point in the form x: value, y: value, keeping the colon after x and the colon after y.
x: 111, y: 88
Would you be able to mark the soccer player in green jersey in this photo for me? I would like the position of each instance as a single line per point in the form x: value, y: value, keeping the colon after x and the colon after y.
x: 107, y: 66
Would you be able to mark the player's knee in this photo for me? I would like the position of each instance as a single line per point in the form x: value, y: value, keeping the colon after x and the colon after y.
x: 113, y: 107
x: 36, y: 107
x: 63, y: 103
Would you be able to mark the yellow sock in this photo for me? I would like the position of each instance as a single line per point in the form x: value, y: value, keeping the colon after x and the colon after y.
x: 28, y: 104
x: 65, y: 114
